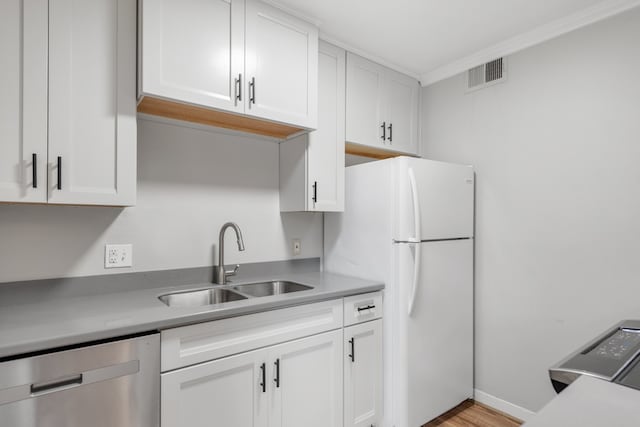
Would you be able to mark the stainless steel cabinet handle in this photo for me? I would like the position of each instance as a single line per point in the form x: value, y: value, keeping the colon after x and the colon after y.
x: 59, y: 173
x: 34, y: 171
x: 384, y: 131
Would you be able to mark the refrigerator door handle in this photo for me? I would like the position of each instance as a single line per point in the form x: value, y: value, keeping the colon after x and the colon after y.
x: 417, y: 230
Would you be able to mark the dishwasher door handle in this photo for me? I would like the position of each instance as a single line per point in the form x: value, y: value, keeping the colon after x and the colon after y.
x: 67, y: 382
x: 57, y: 384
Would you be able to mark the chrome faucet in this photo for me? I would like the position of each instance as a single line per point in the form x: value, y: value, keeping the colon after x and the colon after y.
x: 221, y: 274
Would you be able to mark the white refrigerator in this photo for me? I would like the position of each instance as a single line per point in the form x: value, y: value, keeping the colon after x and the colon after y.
x: 409, y: 222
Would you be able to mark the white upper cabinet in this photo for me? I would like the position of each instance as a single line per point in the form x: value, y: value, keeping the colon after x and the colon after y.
x: 312, y: 165
x: 402, y: 112
x: 193, y: 51
x: 67, y: 111
x: 199, y: 59
x: 364, y: 101
x: 281, y: 65
x: 23, y: 101
x: 92, y: 117
x: 381, y: 107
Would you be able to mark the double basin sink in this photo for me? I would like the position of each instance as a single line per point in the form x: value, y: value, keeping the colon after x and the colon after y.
x: 219, y: 295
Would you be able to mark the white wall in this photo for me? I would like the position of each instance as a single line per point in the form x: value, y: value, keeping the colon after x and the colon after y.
x: 189, y: 183
x: 557, y: 154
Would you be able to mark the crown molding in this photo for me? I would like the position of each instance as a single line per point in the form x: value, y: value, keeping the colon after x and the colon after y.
x: 308, y: 18
x: 368, y: 55
x: 540, y: 34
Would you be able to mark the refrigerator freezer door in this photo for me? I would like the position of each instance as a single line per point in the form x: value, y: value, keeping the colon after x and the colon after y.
x: 433, y: 366
x: 445, y: 193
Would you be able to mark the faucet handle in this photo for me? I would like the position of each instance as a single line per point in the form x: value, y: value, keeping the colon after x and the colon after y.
x: 232, y: 273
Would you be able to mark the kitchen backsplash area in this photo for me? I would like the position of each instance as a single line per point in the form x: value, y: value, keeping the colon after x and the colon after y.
x: 190, y: 182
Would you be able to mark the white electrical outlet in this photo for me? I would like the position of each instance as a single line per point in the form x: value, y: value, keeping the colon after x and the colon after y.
x: 117, y: 256
x: 297, y: 246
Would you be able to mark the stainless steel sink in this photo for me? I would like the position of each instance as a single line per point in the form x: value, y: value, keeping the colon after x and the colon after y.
x: 200, y: 297
x: 264, y: 289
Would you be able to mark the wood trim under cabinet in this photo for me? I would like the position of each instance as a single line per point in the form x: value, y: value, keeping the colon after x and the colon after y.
x: 205, y: 116
x: 375, y: 153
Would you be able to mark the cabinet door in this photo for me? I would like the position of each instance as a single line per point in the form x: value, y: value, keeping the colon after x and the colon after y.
x: 92, y: 105
x: 364, y: 102
x: 225, y: 392
x: 363, y: 375
x: 281, y: 62
x: 23, y: 101
x: 401, y: 101
x: 326, y: 145
x: 193, y: 51
x: 307, y: 382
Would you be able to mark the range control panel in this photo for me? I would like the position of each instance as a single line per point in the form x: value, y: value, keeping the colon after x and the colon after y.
x: 618, y: 345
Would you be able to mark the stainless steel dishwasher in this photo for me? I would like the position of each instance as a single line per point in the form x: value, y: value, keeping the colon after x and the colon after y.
x: 110, y: 384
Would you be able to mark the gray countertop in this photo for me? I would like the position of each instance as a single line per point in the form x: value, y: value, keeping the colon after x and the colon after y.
x: 57, y: 322
x: 591, y: 402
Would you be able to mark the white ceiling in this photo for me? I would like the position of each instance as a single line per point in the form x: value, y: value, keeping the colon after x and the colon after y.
x: 423, y: 36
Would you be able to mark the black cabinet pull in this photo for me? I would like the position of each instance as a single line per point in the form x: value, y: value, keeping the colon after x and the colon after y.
x: 239, y: 88
x: 263, y: 384
x: 352, y: 356
x: 368, y: 307
x: 277, y: 378
x: 34, y: 172
x: 384, y: 131
x: 315, y: 192
x: 252, y: 91
x: 59, y: 173
x: 390, y: 132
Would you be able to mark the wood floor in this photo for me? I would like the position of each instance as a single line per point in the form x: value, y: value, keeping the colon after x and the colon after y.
x: 472, y: 414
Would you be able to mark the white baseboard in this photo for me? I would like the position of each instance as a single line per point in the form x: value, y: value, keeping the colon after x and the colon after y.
x: 502, y: 405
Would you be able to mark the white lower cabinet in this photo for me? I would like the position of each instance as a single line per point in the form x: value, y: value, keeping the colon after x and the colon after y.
x: 307, y: 386
x: 363, y: 375
x: 225, y: 392
x: 298, y: 383
x: 281, y: 368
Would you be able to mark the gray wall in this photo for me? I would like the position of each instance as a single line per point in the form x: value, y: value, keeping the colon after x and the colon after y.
x: 557, y: 154
x: 190, y: 182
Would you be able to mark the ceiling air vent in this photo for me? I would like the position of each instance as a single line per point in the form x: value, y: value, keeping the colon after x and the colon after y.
x: 486, y: 74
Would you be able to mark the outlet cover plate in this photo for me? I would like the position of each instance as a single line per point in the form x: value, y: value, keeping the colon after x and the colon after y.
x: 296, y: 246
x: 118, y: 256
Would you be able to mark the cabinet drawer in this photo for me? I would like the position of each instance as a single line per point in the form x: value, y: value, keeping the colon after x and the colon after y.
x: 198, y: 343
x: 362, y: 308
